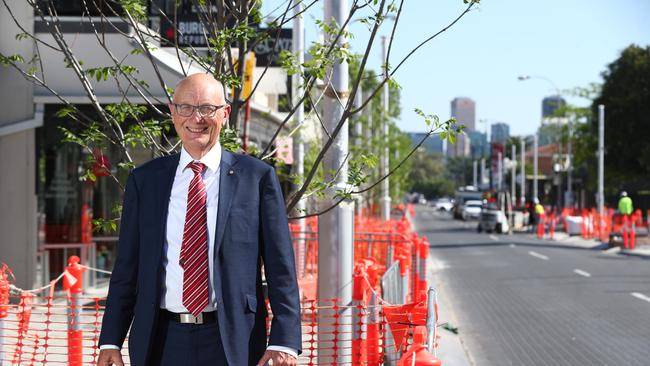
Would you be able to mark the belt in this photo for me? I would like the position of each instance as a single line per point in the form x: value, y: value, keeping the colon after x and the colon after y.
x: 187, y: 318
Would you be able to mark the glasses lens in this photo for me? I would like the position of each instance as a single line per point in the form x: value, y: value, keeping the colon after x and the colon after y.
x: 185, y: 110
x: 207, y: 110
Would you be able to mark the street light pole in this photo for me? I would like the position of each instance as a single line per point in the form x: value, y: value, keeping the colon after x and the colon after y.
x: 513, y: 172
x: 298, y: 48
x: 336, y: 227
x: 601, y: 160
x: 535, y: 157
x: 558, y: 94
x: 569, y: 199
x: 523, y: 172
x: 385, y: 192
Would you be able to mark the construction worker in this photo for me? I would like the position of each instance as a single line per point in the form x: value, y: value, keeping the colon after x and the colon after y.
x: 625, y: 209
x: 539, y: 214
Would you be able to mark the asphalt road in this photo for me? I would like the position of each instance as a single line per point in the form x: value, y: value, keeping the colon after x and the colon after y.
x: 518, y: 300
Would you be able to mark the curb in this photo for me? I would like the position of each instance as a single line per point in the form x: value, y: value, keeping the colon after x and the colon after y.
x: 631, y: 253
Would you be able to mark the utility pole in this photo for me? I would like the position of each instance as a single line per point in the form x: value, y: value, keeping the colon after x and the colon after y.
x: 513, y: 172
x: 298, y: 46
x: 569, y: 199
x: 358, y: 141
x: 385, y: 192
x: 601, y: 160
x: 535, y: 156
x: 335, y: 228
x: 474, y: 171
x: 499, y: 170
x: 482, y: 171
x: 523, y: 172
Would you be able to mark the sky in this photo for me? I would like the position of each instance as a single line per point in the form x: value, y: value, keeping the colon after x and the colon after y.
x: 569, y: 42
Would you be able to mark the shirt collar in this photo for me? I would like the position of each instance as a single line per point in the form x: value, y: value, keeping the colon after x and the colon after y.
x: 211, y: 160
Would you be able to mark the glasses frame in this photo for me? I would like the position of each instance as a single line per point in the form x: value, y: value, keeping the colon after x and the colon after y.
x: 196, y: 109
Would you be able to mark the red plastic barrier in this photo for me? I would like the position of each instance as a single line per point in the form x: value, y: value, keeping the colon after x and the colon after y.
x: 540, y: 226
x: 73, y: 283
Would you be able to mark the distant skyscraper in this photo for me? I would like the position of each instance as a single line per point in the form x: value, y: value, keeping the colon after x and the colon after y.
x: 464, y: 110
x: 551, y: 104
x: 500, y: 132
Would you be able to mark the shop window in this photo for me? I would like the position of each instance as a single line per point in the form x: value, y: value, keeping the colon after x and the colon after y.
x: 67, y: 203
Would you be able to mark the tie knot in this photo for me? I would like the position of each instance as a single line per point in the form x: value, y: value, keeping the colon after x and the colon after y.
x: 196, y: 167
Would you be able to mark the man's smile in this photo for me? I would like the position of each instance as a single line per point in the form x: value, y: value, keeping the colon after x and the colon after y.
x: 197, y: 129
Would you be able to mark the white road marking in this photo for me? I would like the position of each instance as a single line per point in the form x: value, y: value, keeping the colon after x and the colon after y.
x: 494, y: 237
x: 582, y: 273
x: 540, y: 256
x: 512, y: 245
x: 640, y: 296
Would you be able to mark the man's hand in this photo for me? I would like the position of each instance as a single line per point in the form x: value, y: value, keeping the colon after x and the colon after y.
x: 277, y: 358
x: 109, y: 357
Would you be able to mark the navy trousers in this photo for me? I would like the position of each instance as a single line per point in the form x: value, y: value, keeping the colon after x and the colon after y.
x: 187, y: 344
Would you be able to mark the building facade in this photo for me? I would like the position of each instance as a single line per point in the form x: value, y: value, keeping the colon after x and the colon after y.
x: 499, y: 133
x: 551, y: 104
x: 464, y: 110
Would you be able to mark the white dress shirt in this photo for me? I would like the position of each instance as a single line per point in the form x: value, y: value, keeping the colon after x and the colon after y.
x: 172, y: 289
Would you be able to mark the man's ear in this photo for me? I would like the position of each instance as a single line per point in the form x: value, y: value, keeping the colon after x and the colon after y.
x: 171, y: 107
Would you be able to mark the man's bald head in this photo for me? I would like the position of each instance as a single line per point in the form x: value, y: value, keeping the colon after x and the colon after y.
x: 201, y: 80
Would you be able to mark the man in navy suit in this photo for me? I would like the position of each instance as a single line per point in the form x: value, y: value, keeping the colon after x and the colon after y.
x: 197, y: 227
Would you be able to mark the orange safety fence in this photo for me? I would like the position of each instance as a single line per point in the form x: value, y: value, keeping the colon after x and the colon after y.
x: 593, y: 225
x: 59, y: 325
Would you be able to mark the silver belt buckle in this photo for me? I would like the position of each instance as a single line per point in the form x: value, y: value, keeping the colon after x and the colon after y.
x: 191, y: 319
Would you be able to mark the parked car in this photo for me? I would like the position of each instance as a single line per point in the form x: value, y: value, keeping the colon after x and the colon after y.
x: 493, y: 220
x: 471, y: 210
x: 443, y: 204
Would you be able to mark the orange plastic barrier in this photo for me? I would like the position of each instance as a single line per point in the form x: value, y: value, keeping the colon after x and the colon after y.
x: 62, y: 328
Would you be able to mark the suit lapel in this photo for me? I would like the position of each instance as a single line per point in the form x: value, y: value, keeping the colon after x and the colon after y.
x: 165, y: 180
x: 227, y: 187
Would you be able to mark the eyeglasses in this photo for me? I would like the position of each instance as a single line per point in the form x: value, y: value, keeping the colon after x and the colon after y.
x: 205, y: 110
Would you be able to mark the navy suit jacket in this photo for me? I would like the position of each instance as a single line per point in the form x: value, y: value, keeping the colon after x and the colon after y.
x: 251, y: 229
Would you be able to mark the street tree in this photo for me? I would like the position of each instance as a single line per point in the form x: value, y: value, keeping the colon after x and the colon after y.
x: 626, y: 95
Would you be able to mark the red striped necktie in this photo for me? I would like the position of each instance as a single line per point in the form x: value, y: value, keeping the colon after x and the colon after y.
x: 194, y: 250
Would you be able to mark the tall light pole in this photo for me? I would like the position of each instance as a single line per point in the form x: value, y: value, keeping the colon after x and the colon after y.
x: 513, y: 173
x: 358, y: 141
x: 535, y: 165
x: 569, y: 168
x: 569, y: 199
x: 474, y: 173
x: 385, y: 192
x: 601, y: 159
x: 335, y: 228
x: 298, y: 48
x: 523, y: 172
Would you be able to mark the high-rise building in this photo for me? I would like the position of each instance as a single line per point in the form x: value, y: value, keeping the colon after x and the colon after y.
x: 551, y: 104
x: 464, y: 110
x: 500, y: 132
x: 478, y: 144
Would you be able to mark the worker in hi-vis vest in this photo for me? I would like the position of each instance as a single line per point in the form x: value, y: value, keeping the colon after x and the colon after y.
x: 625, y: 208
